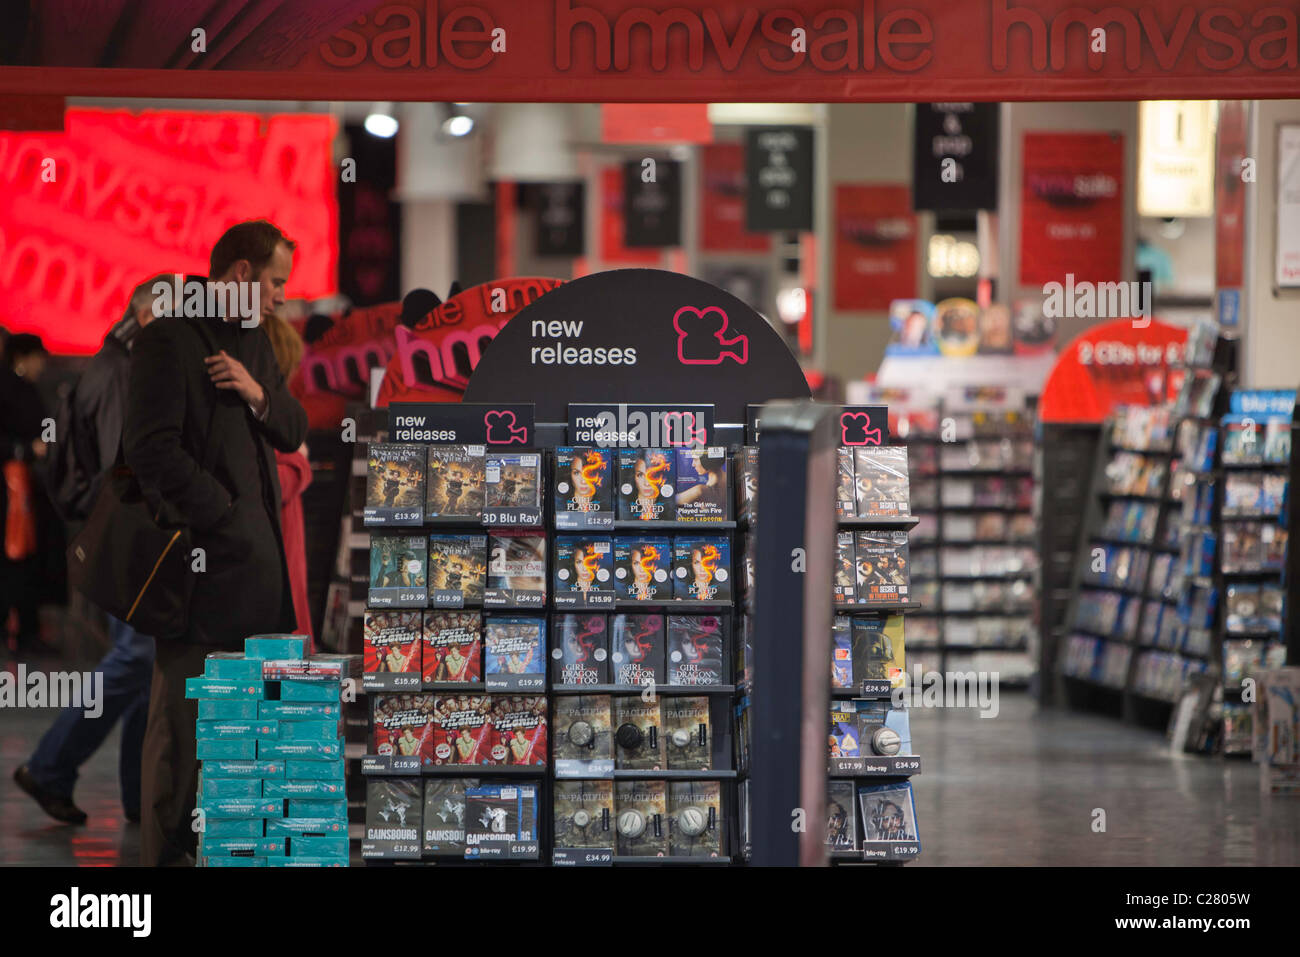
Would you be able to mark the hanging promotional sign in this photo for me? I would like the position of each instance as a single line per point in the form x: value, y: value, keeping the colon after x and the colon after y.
x: 613, y: 250
x: 779, y: 178
x: 1116, y: 363
x: 875, y: 246
x: 433, y: 360
x: 637, y: 336
x: 955, y: 156
x: 652, y: 203
x: 722, y: 205
x: 560, y: 216
x: 1072, y: 208
x: 699, y: 51
x: 1230, y: 210
x: 1288, y: 206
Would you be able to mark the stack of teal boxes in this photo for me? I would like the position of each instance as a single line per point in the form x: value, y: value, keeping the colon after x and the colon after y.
x: 271, y: 789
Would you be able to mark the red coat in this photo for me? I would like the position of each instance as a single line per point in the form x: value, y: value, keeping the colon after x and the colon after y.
x: 295, y: 475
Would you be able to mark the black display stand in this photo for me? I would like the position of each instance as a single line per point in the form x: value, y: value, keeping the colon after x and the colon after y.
x: 640, y: 351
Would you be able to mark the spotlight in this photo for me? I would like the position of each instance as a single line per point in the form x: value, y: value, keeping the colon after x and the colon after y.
x: 381, y: 122
x: 458, y: 125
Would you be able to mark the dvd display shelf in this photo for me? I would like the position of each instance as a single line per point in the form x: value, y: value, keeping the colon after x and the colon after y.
x: 527, y: 646
x: 975, y: 564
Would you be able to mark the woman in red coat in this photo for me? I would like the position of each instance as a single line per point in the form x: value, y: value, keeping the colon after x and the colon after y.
x: 295, y: 476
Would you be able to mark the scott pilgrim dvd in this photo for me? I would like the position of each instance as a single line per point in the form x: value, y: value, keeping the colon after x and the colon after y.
x: 453, y: 647
x: 514, y: 653
x: 646, y: 485
x: 392, y: 642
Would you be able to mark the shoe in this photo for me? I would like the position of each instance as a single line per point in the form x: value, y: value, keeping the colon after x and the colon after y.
x: 56, y: 806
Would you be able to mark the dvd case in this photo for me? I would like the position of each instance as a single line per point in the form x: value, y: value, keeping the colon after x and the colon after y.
x: 582, y: 729
x: 841, y: 654
x: 404, y: 726
x: 456, y: 482
x: 444, y: 816
x: 880, y: 477
x: 519, y: 726
x: 846, y: 575
x: 462, y: 729
x: 514, y: 653
x: 584, y: 487
x: 841, y: 816
x: 393, y: 819
x: 452, y: 646
x: 457, y: 570
x: 747, y: 483
x: 580, y: 650
x: 638, y: 740
x: 513, y: 481
x: 694, y: 646
x: 636, y: 649
x: 882, y: 567
x: 646, y: 485
x: 703, y: 494
x: 687, y: 740
x: 516, y: 573
x: 641, y: 818
x: 397, y: 571
x: 843, y: 740
x: 846, y: 504
x: 392, y: 642
x: 584, y: 814
x: 702, y: 569
x: 878, y: 650
x: 888, y: 813
x: 695, y: 819
x: 394, y: 485
x: 642, y: 569
x: 498, y: 818
x: 584, y: 572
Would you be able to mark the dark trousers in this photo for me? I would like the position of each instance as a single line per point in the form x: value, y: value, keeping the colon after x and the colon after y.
x: 171, y: 766
x: 73, y: 738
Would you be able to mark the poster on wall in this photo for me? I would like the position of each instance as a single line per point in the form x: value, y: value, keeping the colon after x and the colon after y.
x: 125, y: 196
x: 722, y: 205
x: 955, y: 156
x: 560, y: 211
x: 1072, y: 208
x: 613, y: 250
x: 875, y: 246
x: 652, y: 203
x: 1288, y: 206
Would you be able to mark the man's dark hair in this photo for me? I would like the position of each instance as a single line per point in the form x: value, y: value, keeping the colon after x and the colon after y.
x: 254, y: 240
x: 21, y: 345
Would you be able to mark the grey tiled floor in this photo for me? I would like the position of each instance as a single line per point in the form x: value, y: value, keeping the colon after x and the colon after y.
x: 1021, y: 789
x: 1018, y: 789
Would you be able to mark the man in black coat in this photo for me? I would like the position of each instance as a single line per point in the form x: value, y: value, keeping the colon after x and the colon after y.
x: 196, y: 381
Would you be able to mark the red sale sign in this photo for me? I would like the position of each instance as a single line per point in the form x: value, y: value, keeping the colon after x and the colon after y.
x: 875, y: 246
x: 88, y: 214
x: 1125, y: 362
x: 1072, y: 208
x: 722, y: 207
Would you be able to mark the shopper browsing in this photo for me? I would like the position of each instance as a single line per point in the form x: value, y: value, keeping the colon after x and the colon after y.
x: 184, y: 395
x: 89, y: 439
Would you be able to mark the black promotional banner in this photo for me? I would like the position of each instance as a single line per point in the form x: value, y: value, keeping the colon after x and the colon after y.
x: 652, y: 203
x: 640, y: 426
x: 633, y: 336
x: 497, y: 425
x: 560, y: 211
x: 955, y: 157
x: 370, y: 222
x: 779, y: 178
x: 858, y: 425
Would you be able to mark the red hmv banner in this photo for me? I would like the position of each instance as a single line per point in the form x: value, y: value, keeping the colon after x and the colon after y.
x: 634, y: 50
x: 88, y: 214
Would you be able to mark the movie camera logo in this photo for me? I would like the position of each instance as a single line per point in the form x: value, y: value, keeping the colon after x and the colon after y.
x: 702, y: 337
x: 637, y: 428
x: 208, y: 299
x: 502, y: 429
x: 855, y: 429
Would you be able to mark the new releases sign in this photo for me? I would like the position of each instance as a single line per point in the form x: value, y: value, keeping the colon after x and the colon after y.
x: 627, y: 334
x: 779, y: 179
x: 652, y: 203
x: 626, y: 425
x: 497, y: 425
x: 955, y: 158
